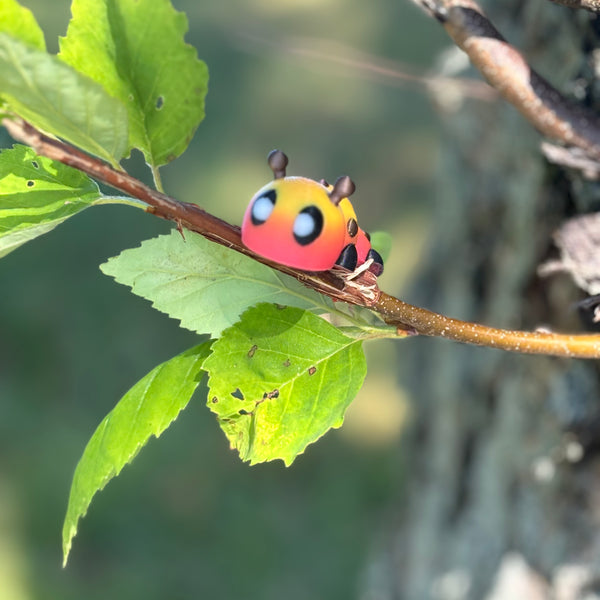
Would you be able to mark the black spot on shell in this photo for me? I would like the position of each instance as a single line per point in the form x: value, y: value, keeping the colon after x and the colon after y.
x: 352, y: 227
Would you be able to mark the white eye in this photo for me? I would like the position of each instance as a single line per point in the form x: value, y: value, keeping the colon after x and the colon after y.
x: 263, y: 207
x: 308, y: 225
x: 304, y: 225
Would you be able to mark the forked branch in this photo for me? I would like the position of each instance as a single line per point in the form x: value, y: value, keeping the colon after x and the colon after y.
x: 405, y: 317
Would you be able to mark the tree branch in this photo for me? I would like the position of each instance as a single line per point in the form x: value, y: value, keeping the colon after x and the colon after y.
x: 405, y: 317
x: 591, y: 5
x: 505, y: 68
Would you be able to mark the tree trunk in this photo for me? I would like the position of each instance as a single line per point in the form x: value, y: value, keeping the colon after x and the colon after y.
x: 502, y: 469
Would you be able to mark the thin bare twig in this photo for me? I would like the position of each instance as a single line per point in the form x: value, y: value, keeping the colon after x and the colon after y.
x: 373, y: 67
x: 405, y: 317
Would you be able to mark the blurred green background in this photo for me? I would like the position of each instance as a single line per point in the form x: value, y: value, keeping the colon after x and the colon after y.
x: 188, y: 519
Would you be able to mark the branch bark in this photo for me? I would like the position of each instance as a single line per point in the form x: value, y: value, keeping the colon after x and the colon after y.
x: 505, y: 68
x: 406, y: 318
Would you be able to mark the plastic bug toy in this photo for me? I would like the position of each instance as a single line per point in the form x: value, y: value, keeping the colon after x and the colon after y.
x: 306, y: 224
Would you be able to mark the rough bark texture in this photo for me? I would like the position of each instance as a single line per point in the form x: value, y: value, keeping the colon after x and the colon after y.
x: 502, y: 463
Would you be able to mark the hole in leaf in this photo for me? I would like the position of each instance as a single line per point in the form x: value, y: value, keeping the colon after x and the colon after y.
x: 244, y: 412
x: 34, y: 164
x: 271, y: 395
x: 160, y: 101
x: 238, y: 394
x: 252, y: 351
x: 214, y: 400
x: 30, y: 183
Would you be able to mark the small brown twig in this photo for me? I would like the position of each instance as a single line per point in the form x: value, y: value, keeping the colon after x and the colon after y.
x: 394, y: 311
x: 505, y: 68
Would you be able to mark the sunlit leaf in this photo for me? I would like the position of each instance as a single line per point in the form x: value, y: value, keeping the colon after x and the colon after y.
x: 19, y: 22
x: 36, y: 195
x: 54, y: 97
x: 135, y: 48
x: 279, y: 379
x: 204, y: 285
x: 146, y: 410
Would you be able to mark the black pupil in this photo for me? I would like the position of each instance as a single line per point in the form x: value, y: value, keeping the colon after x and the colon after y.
x: 263, y: 207
x: 317, y: 218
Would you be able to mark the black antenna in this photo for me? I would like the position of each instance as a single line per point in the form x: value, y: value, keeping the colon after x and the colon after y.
x: 342, y: 188
x: 278, y: 161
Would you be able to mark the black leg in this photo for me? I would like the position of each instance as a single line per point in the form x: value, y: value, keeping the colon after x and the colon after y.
x: 377, y: 266
x: 348, y: 258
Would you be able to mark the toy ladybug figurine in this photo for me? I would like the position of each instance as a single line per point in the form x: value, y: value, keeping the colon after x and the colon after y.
x: 308, y: 225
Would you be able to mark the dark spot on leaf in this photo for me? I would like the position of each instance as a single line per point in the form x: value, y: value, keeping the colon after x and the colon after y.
x: 160, y: 101
x: 244, y: 412
x: 271, y: 395
x: 252, y: 351
x: 280, y: 306
x: 287, y: 363
x: 34, y: 164
x: 214, y: 400
x: 30, y: 183
x: 312, y: 370
x: 237, y: 394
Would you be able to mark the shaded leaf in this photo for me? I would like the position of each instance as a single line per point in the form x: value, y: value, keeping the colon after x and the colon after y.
x: 382, y: 242
x: 36, y: 195
x: 204, y: 285
x: 54, y: 97
x: 147, y: 409
x: 19, y: 22
x: 135, y: 48
x: 279, y: 379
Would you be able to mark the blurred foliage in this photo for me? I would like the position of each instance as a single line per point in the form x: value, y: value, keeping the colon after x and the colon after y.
x: 188, y: 519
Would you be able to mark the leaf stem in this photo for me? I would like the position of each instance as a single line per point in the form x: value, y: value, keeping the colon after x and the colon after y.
x: 408, y: 319
x: 157, y: 178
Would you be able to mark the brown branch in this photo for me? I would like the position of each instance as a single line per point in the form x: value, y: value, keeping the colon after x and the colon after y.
x: 429, y: 323
x: 591, y: 5
x: 404, y: 316
x: 505, y: 68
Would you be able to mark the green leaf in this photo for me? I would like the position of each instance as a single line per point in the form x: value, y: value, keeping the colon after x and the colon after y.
x: 135, y: 48
x: 147, y: 409
x: 204, y: 285
x: 19, y: 22
x: 279, y: 379
x: 382, y: 242
x: 54, y: 97
x: 36, y: 195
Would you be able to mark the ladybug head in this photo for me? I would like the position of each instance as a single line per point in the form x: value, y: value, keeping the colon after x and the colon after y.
x: 297, y: 221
